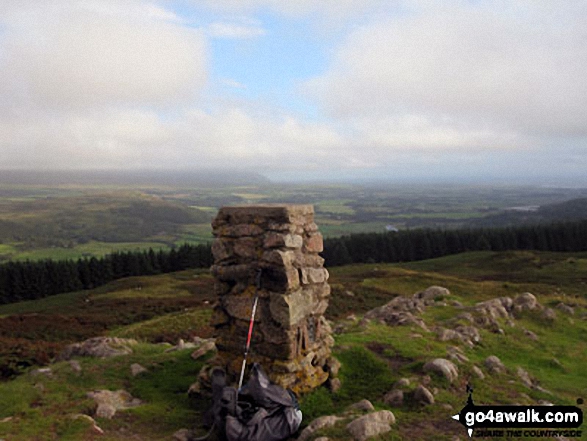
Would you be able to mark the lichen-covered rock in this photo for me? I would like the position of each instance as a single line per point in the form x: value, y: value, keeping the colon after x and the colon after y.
x: 362, y: 406
x: 137, y: 369
x: 565, y: 308
x: 526, y: 302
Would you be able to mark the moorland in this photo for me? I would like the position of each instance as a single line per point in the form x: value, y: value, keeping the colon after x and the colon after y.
x: 83, y: 217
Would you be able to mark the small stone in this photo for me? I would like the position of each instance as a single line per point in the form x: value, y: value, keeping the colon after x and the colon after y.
x: 443, y: 367
x: 433, y: 293
x: 90, y: 420
x: 205, y: 347
x: 182, y: 435
x: 322, y: 438
x: 394, y: 398
x: 524, y: 377
x: 423, y: 396
x: 494, y: 364
x: 549, y: 314
x: 371, y: 425
x: 334, y: 385
x: 363, y: 405
x: 478, y: 372
x: 317, y: 424
x: 136, y: 369
x: 530, y: 335
x: 401, y: 383
x: 75, y: 366
x: 565, y: 308
x: 42, y: 371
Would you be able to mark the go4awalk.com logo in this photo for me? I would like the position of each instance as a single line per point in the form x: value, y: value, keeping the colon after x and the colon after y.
x: 520, y: 421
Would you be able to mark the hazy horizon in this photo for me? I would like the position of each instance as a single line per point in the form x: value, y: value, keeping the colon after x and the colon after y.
x: 407, y: 90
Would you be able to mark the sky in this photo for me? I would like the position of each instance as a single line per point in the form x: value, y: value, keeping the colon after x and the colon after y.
x: 300, y: 89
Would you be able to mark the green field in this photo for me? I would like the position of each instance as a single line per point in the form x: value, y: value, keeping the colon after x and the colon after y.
x: 68, y: 221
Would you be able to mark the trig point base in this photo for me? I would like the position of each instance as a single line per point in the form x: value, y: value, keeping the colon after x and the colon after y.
x: 291, y: 338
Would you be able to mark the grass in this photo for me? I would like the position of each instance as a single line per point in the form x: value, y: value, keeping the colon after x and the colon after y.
x: 41, y: 407
x: 373, y: 357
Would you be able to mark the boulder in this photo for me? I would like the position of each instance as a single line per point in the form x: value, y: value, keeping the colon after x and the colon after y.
x: 526, y: 302
x: 423, y: 396
x: 442, y: 367
x: 478, y: 372
x: 373, y: 424
x: 549, y: 314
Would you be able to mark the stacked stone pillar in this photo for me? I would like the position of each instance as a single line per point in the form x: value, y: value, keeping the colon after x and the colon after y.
x: 291, y: 338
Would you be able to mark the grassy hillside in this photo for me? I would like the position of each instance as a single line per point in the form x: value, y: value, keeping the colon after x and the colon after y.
x: 373, y: 356
x: 92, y: 224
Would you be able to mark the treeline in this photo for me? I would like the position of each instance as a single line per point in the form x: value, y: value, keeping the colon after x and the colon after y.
x: 34, y: 280
x: 420, y: 244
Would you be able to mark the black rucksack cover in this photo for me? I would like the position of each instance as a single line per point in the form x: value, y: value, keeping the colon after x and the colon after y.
x: 261, y: 411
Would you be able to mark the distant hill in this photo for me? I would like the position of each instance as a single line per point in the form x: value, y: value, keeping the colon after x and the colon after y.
x: 181, y: 178
x: 571, y: 210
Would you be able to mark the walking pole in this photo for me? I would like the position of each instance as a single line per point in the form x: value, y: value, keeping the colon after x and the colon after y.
x: 258, y: 285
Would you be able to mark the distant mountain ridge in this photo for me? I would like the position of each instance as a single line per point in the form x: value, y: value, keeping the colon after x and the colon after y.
x: 182, y: 178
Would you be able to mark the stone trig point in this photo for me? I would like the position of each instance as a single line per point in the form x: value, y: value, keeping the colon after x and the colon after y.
x: 291, y: 338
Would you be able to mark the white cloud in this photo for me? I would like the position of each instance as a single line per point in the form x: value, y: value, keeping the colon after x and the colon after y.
x: 338, y: 9
x: 480, y: 73
x: 234, y: 30
x: 85, y: 54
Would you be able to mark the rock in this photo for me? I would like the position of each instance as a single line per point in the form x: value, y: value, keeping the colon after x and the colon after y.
x: 371, y: 425
x: 100, y: 347
x: 322, y: 438
x: 487, y: 313
x: 432, y: 293
x: 456, y: 355
x: 524, y: 377
x: 494, y: 365
x: 333, y: 366
x: 205, y: 347
x: 401, y: 383
x: 443, y: 367
x: 526, y: 302
x: 549, y: 314
x: 136, y: 369
x: 42, y: 371
x: 182, y: 435
x: 478, y: 372
x: 109, y: 402
x: 565, y: 308
x: 363, y: 406
x: 423, y: 396
x: 75, y: 366
x: 334, y: 384
x: 317, y: 424
x: 89, y: 419
x: 394, y: 398
x: 530, y: 335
